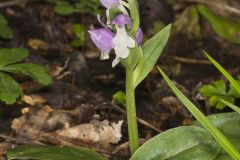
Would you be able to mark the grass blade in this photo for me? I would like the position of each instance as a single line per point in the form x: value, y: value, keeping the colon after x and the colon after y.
x: 232, y: 106
x: 234, y: 83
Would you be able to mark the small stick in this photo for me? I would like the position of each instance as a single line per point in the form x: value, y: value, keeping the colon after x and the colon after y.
x: 190, y: 60
x: 17, y: 139
x: 12, y: 3
x: 140, y: 120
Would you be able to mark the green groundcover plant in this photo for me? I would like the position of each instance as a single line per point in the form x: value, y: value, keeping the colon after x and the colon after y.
x: 10, y: 63
x: 217, y: 91
x: 5, y: 31
x: 209, y: 138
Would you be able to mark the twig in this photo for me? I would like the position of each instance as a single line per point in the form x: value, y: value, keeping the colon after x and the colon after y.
x: 190, y: 60
x: 17, y: 140
x: 140, y: 120
x: 12, y: 3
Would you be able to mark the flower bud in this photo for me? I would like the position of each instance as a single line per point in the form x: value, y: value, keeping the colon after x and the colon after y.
x: 139, y: 36
x: 121, y: 20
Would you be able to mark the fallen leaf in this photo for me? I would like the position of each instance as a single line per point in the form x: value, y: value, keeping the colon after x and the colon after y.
x: 102, y: 132
x: 38, y: 44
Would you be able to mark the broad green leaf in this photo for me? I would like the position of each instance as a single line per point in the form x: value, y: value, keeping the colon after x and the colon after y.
x: 231, y: 105
x: 120, y: 97
x: 229, y: 124
x: 53, y: 153
x: 233, y: 82
x: 152, y: 49
x: 35, y: 71
x: 224, y: 27
x: 64, y: 9
x: 5, y: 32
x: 10, y: 56
x: 9, y: 89
x: 181, y: 143
x: 205, y: 122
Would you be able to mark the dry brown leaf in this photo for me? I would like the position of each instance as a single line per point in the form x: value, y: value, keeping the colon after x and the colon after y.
x: 102, y: 132
x: 33, y: 99
x: 38, y: 44
x: 36, y: 121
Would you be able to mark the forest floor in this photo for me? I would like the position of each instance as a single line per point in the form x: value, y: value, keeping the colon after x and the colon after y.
x: 83, y: 85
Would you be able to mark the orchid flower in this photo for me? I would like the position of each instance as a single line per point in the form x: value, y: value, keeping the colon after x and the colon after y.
x: 122, y: 41
x: 102, y: 38
x: 106, y: 40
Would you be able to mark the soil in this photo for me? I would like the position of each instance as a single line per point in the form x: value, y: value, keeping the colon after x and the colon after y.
x: 87, y: 81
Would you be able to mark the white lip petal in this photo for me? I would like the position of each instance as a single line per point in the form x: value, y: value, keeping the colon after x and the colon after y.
x: 122, y: 42
x: 130, y: 42
x: 115, y: 61
x: 105, y: 55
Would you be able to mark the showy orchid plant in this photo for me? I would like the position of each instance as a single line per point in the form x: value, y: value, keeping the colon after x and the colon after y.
x: 122, y: 33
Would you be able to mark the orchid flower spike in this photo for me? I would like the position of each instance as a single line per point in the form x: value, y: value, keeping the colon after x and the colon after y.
x: 122, y: 41
x: 102, y: 38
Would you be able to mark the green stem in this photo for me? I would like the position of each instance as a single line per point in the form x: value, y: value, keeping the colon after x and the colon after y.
x: 131, y: 112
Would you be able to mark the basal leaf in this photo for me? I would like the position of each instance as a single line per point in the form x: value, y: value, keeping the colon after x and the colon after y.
x: 205, y: 122
x: 53, y: 153
x: 229, y: 124
x: 10, y: 56
x: 224, y: 27
x: 152, y: 49
x: 182, y: 143
x: 9, y: 89
x: 35, y: 71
